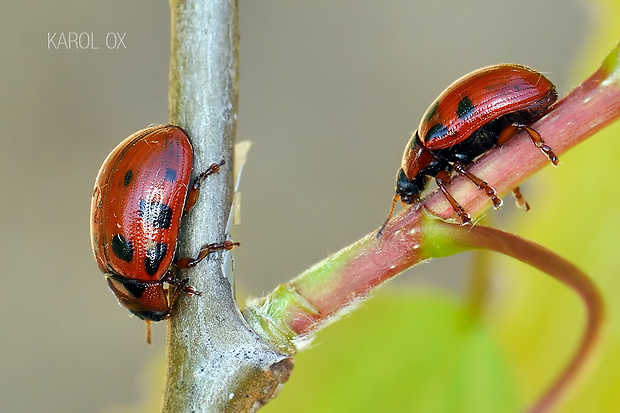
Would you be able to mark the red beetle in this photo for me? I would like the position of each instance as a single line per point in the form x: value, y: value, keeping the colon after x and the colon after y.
x: 141, y: 193
x: 479, y: 111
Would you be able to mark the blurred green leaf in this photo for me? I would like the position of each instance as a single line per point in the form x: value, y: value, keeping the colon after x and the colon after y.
x: 401, y: 352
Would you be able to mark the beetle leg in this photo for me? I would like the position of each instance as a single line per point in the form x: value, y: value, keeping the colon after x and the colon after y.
x: 180, y: 284
x: 186, y: 262
x: 521, y: 202
x: 511, y: 130
x: 194, y: 190
x: 480, y: 184
x: 441, y: 178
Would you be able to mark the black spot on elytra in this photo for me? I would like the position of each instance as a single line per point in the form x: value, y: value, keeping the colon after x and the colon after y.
x: 465, y: 108
x: 155, y: 213
x: 122, y: 248
x: 153, y: 257
x: 128, y: 176
x: 435, y: 132
x: 171, y: 175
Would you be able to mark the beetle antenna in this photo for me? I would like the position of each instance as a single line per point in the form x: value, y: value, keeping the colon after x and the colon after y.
x: 389, y: 216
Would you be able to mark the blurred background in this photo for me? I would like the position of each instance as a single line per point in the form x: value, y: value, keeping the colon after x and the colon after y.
x: 330, y: 92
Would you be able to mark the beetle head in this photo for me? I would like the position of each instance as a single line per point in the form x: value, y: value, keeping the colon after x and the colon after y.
x: 409, y: 189
x: 148, y: 301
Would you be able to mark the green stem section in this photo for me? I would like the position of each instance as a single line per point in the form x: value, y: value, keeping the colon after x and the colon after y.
x: 319, y: 295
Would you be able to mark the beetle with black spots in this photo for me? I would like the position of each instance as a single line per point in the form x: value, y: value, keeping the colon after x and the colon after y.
x: 141, y: 193
x: 481, y: 110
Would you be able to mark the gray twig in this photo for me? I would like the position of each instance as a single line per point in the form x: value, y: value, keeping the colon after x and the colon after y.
x: 216, y: 363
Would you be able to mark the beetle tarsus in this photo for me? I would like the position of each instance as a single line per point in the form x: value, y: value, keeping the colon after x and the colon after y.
x: 521, y: 202
x: 480, y: 184
x: 536, y: 138
x: 213, y: 168
x: 186, y: 262
x: 441, y: 179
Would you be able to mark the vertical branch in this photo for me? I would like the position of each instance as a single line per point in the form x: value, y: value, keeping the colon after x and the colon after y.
x: 214, y: 361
